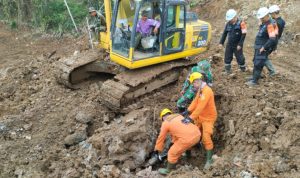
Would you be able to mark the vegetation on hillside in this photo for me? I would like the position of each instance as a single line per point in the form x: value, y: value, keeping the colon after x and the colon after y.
x: 47, y: 15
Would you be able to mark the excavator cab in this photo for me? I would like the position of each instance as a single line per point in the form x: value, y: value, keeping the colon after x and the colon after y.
x: 173, y: 40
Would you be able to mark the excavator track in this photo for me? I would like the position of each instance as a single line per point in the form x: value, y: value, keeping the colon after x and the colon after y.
x: 127, y: 86
x: 81, y: 66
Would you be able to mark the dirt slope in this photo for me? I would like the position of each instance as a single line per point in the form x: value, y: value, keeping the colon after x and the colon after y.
x: 47, y: 130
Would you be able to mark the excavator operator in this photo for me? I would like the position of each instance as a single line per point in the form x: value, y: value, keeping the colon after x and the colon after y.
x: 144, y: 27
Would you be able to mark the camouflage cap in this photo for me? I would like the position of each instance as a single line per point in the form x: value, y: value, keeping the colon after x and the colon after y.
x: 92, y: 9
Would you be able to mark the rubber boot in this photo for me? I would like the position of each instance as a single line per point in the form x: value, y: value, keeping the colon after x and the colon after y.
x: 166, y: 171
x: 243, y: 68
x: 228, y: 69
x: 209, y: 160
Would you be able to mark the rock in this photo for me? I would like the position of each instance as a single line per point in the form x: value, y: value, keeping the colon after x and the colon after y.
x: 27, y: 127
x: 232, y: 76
x: 34, y: 77
x: 3, y: 128
x: 282, y: 167
x: 71, y: 173
x: 264, y: 143
x: 83, y: 117
x: 110, y: 171
x: 75, y: 138
x: 231, y: 127
x: 258, y: 114
x: 116, y: 146
x: 129, y: 121
x: 245, y: 174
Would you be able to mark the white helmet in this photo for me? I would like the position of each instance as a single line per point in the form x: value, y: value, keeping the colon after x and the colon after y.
x: 274, y: 8
x: 230, y: 14
x: 262, y: 12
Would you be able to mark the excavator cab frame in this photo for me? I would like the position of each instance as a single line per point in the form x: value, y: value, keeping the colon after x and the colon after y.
x: 171, y: 40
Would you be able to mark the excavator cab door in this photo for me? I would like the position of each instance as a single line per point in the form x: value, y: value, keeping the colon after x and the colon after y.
x: 173, y: 36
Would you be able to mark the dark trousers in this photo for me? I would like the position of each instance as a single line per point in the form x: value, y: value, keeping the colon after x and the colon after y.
x: 239, y: 55
x: 259, y: 61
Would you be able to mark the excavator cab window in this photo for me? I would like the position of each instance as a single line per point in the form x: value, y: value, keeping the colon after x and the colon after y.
x: 123, y: 27
x: 146, y: 43
x: 174, y: 28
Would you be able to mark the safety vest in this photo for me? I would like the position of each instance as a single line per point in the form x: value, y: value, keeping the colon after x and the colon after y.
x: 263, y: 36
x: 234, y: 32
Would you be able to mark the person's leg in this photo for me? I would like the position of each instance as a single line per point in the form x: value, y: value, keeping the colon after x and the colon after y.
x: 207, y: 128
x: 228, y: 58
x: 174, y: 154
x: 239, y: 55
x: 258, y: 62
x: 270, y: 67
x: 137, y: 41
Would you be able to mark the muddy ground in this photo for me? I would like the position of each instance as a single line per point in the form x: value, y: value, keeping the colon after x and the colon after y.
x: 47, y: 130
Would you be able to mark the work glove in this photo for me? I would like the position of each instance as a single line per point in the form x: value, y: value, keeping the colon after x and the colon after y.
x: 158, y: 156
x: 185, y: 113
x: 187, y: 120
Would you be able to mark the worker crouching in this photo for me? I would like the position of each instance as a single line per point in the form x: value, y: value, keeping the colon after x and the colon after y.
x: 184, y: 136
x: 204, y: 114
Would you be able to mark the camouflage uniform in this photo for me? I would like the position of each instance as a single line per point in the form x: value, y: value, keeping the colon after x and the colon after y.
x: 189, y: 92
x: 97, y: 24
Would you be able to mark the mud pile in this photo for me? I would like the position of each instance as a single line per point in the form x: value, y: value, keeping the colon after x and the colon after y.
x: 128, y: 141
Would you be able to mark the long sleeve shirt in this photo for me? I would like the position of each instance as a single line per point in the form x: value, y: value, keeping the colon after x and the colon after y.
x: 144, y: 27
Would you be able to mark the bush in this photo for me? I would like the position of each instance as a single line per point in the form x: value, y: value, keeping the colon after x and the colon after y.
x: 49, y: 15
x: 56, y: 16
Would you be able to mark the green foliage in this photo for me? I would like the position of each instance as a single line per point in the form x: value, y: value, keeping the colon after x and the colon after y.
x: 13, y: 25
x: 49, y: 15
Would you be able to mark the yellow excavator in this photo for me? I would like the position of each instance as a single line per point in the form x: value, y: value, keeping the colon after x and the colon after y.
x: 139, y: 67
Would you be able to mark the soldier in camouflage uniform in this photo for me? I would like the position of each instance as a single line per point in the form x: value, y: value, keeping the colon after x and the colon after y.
x: 96, y: 23
x: 188, y: 91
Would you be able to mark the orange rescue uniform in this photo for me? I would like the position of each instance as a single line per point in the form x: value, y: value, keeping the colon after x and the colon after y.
x: 184, y: 136
x: 204, y: 113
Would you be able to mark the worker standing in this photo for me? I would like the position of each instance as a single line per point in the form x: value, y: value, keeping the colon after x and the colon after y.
x: 236, y: 30
x: 265, y: 43
x: 274, y: 12
x: 96, y: 23
x: 204, y: 114
x: 184, y: 136
x: 188, y: 92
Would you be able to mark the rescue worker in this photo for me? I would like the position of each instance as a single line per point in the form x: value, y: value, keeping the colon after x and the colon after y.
x: 274, y: 12
x: 188, y: 92
x: 96, y: 23
x: 184, y: 136
x: 236, y: 30
x: 203, y: 112
x: 265, y: 43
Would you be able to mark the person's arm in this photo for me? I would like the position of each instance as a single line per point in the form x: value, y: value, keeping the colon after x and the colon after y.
x: 244, y: 32
x: 205, y: 97
x: 156, y: 25
x: 193, y: 105
x: 281, y: 25
x: 272, y: 37
x: 186, y: 84
x: 224, y: 35
x: 160, y: 142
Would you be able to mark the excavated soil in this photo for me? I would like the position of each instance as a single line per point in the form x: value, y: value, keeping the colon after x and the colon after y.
x: 47, y: 130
